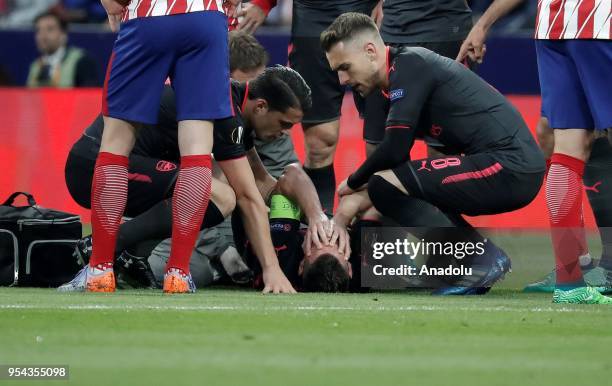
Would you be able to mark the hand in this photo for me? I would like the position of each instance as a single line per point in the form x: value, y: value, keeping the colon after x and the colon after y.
x: 231, y: 7
x: 276, y: 282
x: 474, y: 45
x: 340, y: 234
x: 114, y: 10
x: 344, y: 189
x: 377, y: 14
x: 253, y: 17
x: 318, y: 233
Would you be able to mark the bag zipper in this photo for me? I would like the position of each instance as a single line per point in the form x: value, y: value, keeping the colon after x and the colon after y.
x: 64, y: 221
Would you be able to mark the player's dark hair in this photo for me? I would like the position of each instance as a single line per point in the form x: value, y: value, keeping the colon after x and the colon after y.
x: 282, y: 88
x: 325, y: 274
x: 245, y: 52
x: 345, y: 27
x: 63, y: 24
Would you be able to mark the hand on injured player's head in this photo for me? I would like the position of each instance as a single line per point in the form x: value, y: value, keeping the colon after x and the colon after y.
x: 337, y: 245
x: 318, y: 233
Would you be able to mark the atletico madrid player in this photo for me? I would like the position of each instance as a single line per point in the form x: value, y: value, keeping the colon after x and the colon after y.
x: 186, y: 41
x: 574, y: 61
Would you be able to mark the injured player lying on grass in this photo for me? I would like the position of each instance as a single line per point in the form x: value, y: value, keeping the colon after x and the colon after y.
x: 308, y: 262
x: 313, y: 257
x: 265, y: 107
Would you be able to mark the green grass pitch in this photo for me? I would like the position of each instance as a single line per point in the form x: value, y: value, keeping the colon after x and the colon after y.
x: 232, y: 337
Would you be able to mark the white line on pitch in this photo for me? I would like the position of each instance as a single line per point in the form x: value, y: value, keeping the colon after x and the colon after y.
x: 285, y: 308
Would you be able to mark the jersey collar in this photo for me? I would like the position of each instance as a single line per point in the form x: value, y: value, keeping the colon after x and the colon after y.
x: 388, y: 65
x: 244, y: 98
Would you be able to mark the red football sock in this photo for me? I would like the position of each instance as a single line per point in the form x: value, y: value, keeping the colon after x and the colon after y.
x: 108, y: 198
x: 189, y: 202
x: 564, y: 200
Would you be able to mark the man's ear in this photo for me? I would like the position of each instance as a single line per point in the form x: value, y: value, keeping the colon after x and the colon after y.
x: 370, y: 50
x: 261, y: 106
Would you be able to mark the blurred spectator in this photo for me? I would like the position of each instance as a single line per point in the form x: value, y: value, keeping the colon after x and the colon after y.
x: 84, y: 11
x: 59, y: 65
x: 21, y: 13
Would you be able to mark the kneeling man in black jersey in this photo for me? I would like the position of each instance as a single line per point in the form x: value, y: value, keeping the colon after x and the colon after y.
x: 499, y: 167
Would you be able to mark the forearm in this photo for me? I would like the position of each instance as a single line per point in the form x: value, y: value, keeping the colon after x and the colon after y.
x: 394, y: 149
x: 297, y: 186
x: 351, y: 205
x: 257, y: 228
x: 496, y: 10
x: 253, y: 209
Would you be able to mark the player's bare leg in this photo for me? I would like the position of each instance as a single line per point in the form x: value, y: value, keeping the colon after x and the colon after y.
x: 320, y: 141
x: 546, y: 137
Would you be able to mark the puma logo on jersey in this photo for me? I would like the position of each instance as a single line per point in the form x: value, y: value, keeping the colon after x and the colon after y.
x: 424, y: 166
x: 593, y: 188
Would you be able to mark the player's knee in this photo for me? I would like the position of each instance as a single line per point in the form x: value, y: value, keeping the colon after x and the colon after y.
x: 545, y: 136
x: 291, y: 171
x: 291, y: 175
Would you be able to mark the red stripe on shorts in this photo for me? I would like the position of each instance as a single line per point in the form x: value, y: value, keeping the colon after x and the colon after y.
x: 478, y: 174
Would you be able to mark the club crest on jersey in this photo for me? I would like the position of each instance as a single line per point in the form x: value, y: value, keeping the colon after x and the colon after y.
x: 436, y: 130
x: 165, y: 166
x: 237, y: 134
x: 396, y: 94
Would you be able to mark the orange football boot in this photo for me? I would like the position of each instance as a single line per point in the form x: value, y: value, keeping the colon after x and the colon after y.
x: 177, y: 282
x: 101, y: 279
